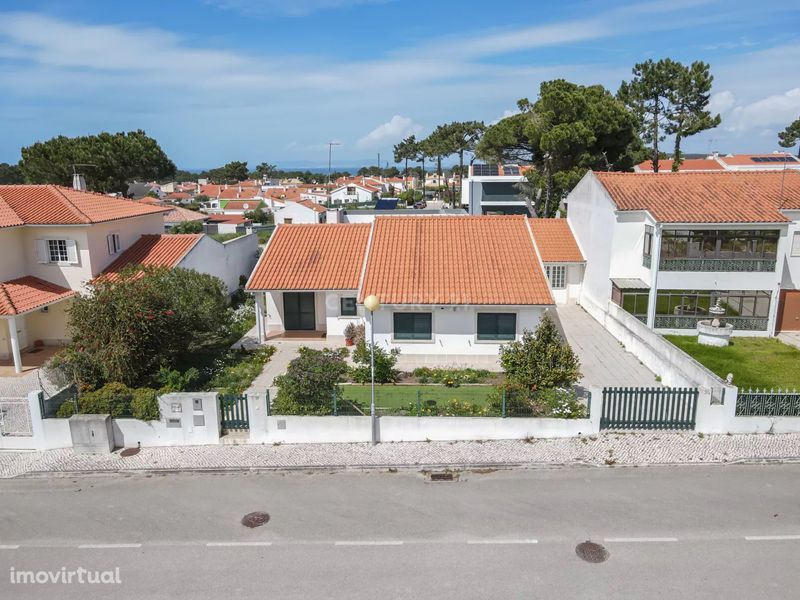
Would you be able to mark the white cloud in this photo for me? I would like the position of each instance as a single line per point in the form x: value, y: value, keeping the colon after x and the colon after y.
x: 391, y: 132
x: 777, y: 110
x: 721, y: 103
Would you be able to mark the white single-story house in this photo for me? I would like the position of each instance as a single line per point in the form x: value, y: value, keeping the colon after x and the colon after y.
x: 448, y: 285
x: 302, y: 211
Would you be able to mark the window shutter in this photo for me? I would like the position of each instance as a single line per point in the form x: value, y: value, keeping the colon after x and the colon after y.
x: 110, y: 243
x: 72, y: 252
x: 42, y: 254
x: 796, y: 244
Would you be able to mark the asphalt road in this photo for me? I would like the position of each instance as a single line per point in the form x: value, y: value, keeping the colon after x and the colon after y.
x: 686, y: 532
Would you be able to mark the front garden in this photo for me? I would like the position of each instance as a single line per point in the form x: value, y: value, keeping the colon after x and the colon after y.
x: 763, y: 363
x: 539, y: 373
x: 152, y: 332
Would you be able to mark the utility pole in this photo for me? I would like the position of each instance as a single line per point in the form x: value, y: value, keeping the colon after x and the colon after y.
x: 328, y: 187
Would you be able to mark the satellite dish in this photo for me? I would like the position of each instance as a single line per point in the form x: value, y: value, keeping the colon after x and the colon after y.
x: 245, y: 206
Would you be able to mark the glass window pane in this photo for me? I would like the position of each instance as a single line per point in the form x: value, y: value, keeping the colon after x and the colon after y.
x: 347, y: 307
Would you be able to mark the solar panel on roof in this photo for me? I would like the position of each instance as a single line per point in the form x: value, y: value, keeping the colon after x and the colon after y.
x: 485, y: 170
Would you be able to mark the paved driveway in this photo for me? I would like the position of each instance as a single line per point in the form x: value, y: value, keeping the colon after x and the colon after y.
x: 604, y: 361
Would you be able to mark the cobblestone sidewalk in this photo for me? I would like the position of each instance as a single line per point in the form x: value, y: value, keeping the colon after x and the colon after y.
x: 605, y: 449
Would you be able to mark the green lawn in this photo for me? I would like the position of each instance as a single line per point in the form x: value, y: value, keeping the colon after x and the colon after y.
x: 754, y: 362
x: 400, y: 396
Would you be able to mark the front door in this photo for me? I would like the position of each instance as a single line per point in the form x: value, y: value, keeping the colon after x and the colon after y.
x: 298, y: 311
x: 789, y: 311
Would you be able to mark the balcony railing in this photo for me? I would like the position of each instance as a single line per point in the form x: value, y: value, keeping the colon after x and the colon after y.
x: 690, y: 322
x: 763, y: 265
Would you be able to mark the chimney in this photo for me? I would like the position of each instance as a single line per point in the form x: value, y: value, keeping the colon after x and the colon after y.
x: 78, y: 182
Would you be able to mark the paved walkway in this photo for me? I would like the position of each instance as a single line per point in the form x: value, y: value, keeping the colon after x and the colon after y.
x: 605, y: 449
x: 19, y: 386
x: 790, y: 337
x: 604, y: 361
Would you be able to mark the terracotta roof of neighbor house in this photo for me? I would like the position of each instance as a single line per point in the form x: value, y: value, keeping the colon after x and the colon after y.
x: 312, y: 257
x: 228, y: 219
x: 56, y: 205
x: 312, y: 205
x: 178, y: 196
x: 688, y: 164
x: 166, y: 250
x: 555, y: 240
x: 747, y: 160
x: 454, y: 260
x: 241, y: 204
x: 180, y: 215
x: 724, y: 197
x: 234, y: 192
x: 28, y: 293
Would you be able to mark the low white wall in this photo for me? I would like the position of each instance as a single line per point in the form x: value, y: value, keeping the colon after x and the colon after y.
x: 420, y: 429
x: 129, y: 433
x: 300, y: 429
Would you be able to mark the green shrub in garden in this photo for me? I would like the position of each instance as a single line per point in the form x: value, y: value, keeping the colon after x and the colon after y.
x: 384, y: 365
x: 144, y: 405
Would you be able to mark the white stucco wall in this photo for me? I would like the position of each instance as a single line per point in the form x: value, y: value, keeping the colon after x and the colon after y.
x: 129, y: 230
x: 342, y: 197
x: 227, y: 261
x: 789, y: 268
x: 334, y: 321
x: 297, y: 213
x: 13, y: 251
x: 454, y: 328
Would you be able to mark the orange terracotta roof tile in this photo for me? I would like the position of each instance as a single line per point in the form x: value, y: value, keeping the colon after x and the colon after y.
x: 312, y: 257
x: 242, y: 204
x: 693, y: 197
x: 57, y: 205
x: 454, y: 260
x: 312, y: 205
x: 234, y: 193
x: 688, y: 164
x: 28, y: 293
x: 237, y: 219
x: 165, y: 250
x: 741, y: 160
x: 555, y: 240
x: 180, y: 215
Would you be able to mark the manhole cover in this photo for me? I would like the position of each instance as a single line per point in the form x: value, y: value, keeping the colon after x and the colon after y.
x: 255, y: 519
x: 129, y: 452
x: 591, y: 552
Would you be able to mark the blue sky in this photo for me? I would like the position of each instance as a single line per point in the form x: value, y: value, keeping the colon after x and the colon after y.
x: 274, y: 80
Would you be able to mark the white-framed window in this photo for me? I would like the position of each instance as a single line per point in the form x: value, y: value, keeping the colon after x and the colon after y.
x: 796, y: 244
x: 113, y: 243
x: 557, y: 275
x: 57, y: 251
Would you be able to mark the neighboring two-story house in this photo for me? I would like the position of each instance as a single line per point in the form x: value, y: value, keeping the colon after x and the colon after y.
x: 52, y: 241
x: 666, y: 247
x: 354, y: 193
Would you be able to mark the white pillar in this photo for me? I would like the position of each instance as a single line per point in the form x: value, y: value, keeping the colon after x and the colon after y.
x: 12, y: 335
x: 260, y: 297
x: 655, y: 260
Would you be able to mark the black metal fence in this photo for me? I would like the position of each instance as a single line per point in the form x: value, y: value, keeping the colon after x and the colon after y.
x: 768, y: 403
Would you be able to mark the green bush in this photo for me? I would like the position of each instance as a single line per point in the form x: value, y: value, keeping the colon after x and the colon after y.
x: 384, y: 365
x: 235, y: 371
x: 187, y: 227
x: 541, y: 360
x: 144, y: 405
x: 113, y: 398
x: 450, y: 377
x: 557, y: 403
x: 66, y: 410
x: 172, y: 380
x: 310, y: 381
x: 451, y: 408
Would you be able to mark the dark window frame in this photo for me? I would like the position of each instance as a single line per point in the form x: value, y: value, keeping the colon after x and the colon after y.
x: 496, y: 335
x: 418, y: 331
x: 347, y: 313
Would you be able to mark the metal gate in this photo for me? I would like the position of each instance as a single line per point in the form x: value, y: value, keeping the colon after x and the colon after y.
x: 649, y: 408
x: 235, y: 413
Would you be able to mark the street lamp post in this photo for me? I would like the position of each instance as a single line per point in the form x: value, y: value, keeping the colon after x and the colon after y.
x: 372, y: 304
x: 328, y: 187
